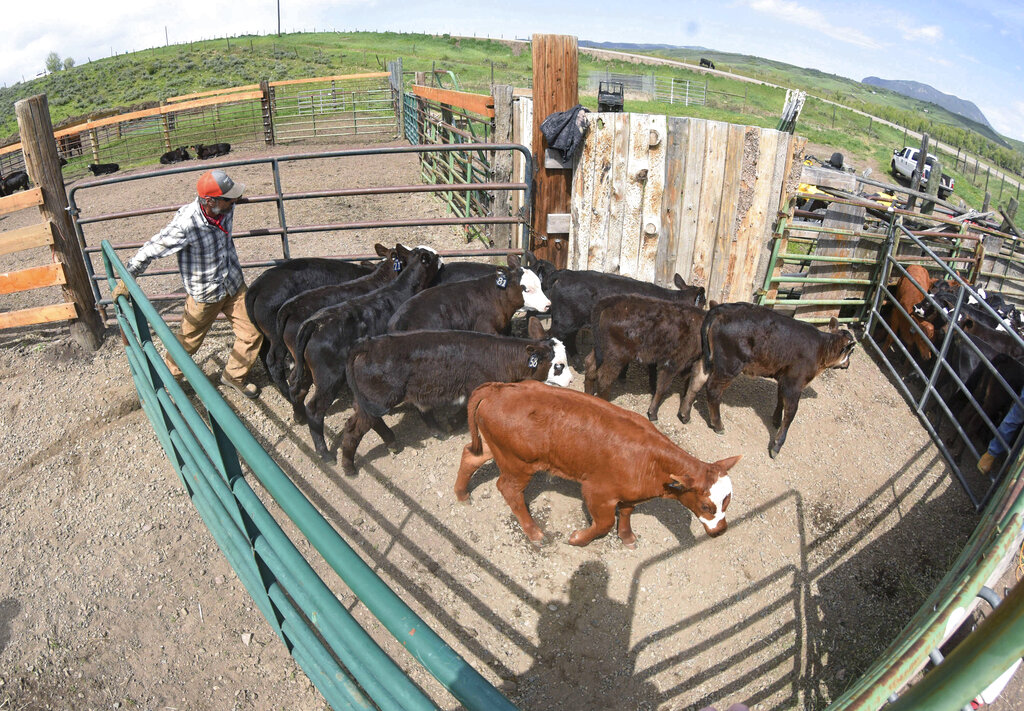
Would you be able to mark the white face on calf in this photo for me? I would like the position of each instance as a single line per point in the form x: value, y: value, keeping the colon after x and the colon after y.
x: 559, y: 373
x: 533, y: 295
x: 718, y: 493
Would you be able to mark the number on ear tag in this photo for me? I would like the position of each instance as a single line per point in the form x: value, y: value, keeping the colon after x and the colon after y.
x: 502, y: 280
x: 534, y: 360
x: 397, y: 265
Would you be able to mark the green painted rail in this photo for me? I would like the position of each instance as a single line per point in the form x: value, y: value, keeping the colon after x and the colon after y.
x: 339, y: 656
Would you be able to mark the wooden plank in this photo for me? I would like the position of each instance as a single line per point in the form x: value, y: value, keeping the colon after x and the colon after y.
x: 158, y: 110
x: 677, y: 136
x: 335, y: 77
x: 32, y: 278
x: 212, y: 92
x: 600, y: 204
x: 689, y: 210
x: 617, y: 197
x: 40, y: 314
x: 482, y: 104
x: 724, y: 259
x: 580, y: 208
x: 26, y: 238
x: 710, y: 201
x: 654, y: 195
x: 637, y: 168
x: 20, y: 201
x: 751, y: 232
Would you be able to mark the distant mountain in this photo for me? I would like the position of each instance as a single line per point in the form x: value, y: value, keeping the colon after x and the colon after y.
x: 923, y: 92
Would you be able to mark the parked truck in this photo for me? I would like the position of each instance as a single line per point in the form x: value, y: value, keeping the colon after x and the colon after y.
x: 904, y: 163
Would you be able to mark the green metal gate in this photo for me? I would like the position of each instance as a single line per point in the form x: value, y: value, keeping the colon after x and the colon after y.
x: 339, y: 656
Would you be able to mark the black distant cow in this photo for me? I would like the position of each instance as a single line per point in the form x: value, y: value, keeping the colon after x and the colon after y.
x: 744, y: 338
x: 175, y: 156
x: 212, y: 150
x: 103, y: 168
x: 707, y: 63
x: 18, y: 180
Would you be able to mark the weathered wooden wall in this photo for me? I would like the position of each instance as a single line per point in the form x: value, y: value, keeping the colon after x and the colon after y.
x: 655, y: 195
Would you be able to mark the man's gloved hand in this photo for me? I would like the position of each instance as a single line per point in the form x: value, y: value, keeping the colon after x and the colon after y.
x: 119, y: 290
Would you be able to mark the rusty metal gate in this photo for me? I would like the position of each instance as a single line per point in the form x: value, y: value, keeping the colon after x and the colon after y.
x: 946, y: 399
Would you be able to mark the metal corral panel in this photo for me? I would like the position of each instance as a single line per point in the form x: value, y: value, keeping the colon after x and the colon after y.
x: 653, y: 196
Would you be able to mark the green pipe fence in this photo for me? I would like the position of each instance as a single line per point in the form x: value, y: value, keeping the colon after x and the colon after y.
x: 339, y: 656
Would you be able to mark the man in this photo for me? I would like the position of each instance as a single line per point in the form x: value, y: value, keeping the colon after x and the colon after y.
x: 200, y: 234
x: 1008, y: 429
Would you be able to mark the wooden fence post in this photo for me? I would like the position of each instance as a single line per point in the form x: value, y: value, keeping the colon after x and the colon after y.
x: 915, y: 184
x: 502, y: 161
x: 555, y: 88
x: 267, y: 103
x: 43, y: 167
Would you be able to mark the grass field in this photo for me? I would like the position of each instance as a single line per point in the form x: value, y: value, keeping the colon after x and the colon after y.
x: 147, y: 77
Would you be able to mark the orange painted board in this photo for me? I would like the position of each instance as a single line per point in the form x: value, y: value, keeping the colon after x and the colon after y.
x: 26, y: 238
x: 20, y: 201
x: 40, y: 314
x: 482, y: 104
x: 32, y: 278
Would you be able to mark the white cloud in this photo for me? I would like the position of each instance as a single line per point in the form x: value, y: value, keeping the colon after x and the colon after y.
x: 794, y: 13
x: 913, y: 33
x: 1007, y: 119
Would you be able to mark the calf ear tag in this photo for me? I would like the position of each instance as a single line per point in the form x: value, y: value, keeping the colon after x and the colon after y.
x: 502, y: 280
x: 534, y: 360
x: 397, y: 265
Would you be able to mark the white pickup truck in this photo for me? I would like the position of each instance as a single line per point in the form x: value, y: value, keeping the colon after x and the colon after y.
x: 904, y: 163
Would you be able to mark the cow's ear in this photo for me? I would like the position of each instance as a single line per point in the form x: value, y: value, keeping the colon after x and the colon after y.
x: 712, y: 304
x: 534, y: 329
x: 380, y: 249
x: 402, y: 250
x: 678, y: 281
x: 727, y: 464
x: 513, y: 261
x: 529, y: 259
x: 678, y: 483
x: 833, y: 324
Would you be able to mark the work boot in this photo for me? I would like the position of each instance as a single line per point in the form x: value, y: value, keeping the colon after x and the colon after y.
x: 249, y: 390
x: 985, y: 463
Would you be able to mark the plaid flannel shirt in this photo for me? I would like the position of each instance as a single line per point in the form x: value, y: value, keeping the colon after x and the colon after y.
x: 207, y: 258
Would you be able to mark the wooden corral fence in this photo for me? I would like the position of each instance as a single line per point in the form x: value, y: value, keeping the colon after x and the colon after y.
x: 251, y: 115
x: 66, y: 267
x: 827, y: 248
x: 654, y: 196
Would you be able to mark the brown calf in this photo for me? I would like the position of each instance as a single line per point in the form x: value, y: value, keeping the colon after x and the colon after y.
x: 744, y: 338
x: 908, y: 297
x: 619, y: 458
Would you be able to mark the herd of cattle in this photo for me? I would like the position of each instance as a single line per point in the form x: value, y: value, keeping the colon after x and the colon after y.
x: 412, y: 329
x: 18, y: 180
x: 992, y: 329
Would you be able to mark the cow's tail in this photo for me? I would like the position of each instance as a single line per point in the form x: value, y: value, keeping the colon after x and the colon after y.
x: 706, y: 346
x: 298, y: 374
x: 476, y: 443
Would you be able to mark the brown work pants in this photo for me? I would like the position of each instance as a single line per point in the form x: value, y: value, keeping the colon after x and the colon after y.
x: 199, y: 317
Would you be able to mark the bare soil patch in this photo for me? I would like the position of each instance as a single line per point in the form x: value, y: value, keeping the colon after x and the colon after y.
x: 114, y: 595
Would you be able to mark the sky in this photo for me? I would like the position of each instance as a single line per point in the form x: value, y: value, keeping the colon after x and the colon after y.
x: 973, y: 50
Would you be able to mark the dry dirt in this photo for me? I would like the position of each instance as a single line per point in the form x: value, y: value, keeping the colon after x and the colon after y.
x: 113, y: 595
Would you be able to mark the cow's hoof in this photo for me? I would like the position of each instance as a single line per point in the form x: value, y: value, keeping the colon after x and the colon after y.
x: 652, y: 416
x: 348, y: 468
x: 395, y: 446
x: 685, y: 419
x: 299, y: 419
x: 631, y: 545
x: 718, y: 430
x: 328, y: 457
x: 773, y: 452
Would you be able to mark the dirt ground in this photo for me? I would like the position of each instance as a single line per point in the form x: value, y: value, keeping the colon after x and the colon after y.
x: 113, y: 595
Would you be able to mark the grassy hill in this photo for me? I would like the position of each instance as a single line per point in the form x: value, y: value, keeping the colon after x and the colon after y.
x: 150, y: 76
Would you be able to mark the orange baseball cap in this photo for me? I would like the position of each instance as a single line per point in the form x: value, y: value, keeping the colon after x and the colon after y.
x: 216, y: 183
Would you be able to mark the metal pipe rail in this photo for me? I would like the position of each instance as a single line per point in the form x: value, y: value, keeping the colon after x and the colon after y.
x: 340, y: 658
